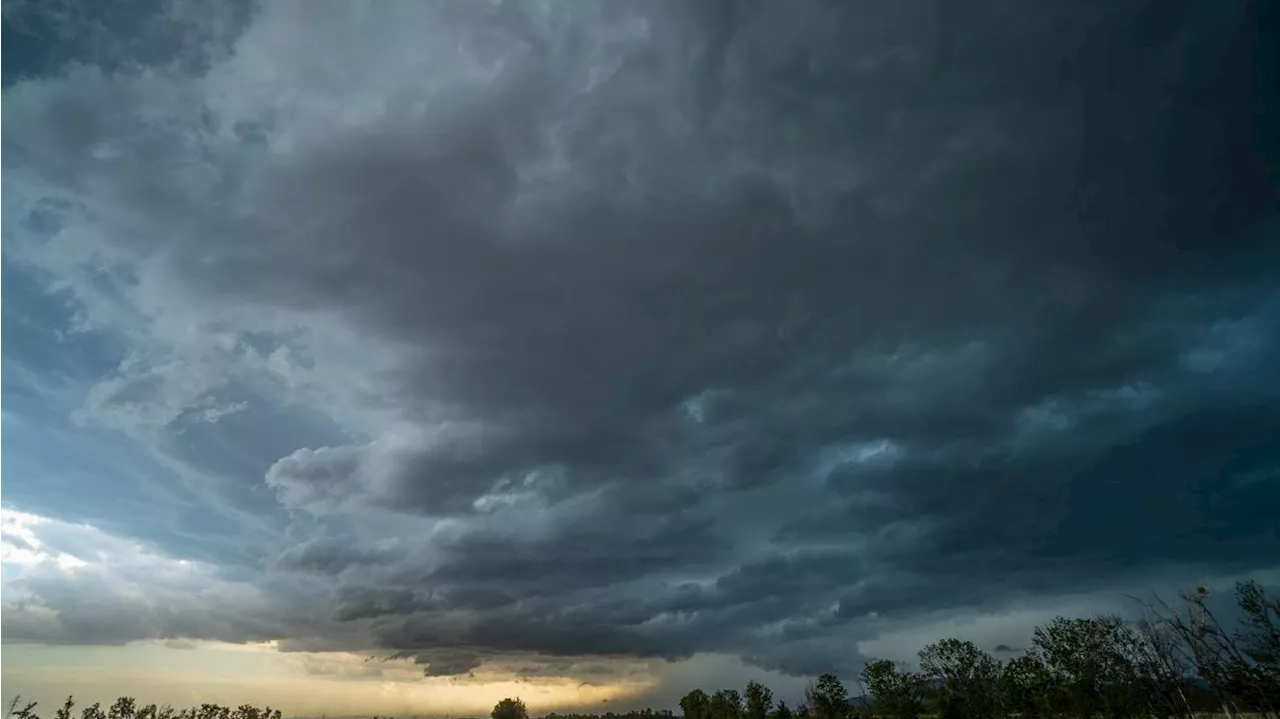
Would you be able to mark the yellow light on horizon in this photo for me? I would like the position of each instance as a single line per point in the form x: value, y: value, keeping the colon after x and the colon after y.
x: 300, y: 684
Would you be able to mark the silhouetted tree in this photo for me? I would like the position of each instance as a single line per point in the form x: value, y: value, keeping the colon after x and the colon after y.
x: 1090, y: 670
x: 695, y: 705
x: 124, y: 708
x: 1240, y: 667
x: 1025, y: 687
x: 17, y: 710
x: 827, y: 697
x: 510, y: 709
x: 64, y: 712
x: 962, y: 679
x: 759, y: 701
x: 894, y: 693
x: 1159, y: 670
x: 726, y: 704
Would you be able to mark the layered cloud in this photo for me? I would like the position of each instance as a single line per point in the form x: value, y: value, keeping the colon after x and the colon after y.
x: 472, y: 331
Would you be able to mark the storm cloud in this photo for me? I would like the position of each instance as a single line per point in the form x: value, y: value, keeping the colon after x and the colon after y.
x: 650, y: 329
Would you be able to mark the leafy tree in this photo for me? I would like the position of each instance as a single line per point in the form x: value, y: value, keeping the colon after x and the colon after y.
x: 1087, y: 661
x: 726, y: 704
x: 64, y: 712
x: 759, y: 701
x: 124, y: 708
x: 894, y: 693
x: 782, y: 711
x: 696, y: 705
x: 510, y: 709
x: 1026, y: 687
x: 27, y: 711
x: 828, y: 697
x: 213, y: 711
x: 963, y: 679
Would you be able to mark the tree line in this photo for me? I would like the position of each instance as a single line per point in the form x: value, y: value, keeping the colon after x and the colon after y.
x: 128, y: 708
x: 1175, y: 662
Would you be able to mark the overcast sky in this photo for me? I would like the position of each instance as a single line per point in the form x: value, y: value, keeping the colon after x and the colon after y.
x: 406, y: 355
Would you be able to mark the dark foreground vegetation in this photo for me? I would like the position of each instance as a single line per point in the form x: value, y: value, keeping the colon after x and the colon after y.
x: 1176, y: 662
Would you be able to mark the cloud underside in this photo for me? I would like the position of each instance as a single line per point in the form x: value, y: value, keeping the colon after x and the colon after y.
x: 650, y: 330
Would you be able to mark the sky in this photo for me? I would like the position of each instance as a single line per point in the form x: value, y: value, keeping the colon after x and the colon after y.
x: 395, y: 357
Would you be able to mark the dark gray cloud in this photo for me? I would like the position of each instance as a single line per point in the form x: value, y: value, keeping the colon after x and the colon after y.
x: 443, y: 663
x: 653, y: 329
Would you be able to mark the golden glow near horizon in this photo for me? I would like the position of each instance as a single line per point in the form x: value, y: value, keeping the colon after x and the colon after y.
x: 298, y: 683
x: 183, y: 672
